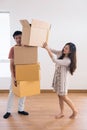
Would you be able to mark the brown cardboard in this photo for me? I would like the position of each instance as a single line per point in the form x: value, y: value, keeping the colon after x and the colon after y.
x: 27, y: 72
x: 25, y: 55
x: 38, y: 33
x: 26, y: 88
x: 38, y: 36
x: 40, y: 24
x: 25, y: 31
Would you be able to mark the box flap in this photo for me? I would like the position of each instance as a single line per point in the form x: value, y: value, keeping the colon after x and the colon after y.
x: 25, y: 23
x: 40, y: 24
x: 25, y: 32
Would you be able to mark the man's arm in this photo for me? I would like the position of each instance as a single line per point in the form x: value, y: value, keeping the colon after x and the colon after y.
x: 12, y: 71
x: 12, y: 68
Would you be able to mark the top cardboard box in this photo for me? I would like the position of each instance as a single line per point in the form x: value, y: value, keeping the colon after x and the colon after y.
x: 35, y: 34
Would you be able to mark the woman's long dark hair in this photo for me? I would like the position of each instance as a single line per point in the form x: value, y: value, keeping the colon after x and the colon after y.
x: 72, y: 56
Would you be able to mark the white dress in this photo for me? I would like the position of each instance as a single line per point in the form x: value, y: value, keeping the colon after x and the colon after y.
x: 60, y: 77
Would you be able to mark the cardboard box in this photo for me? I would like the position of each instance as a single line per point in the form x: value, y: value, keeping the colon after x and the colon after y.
x: 27, y: 72
x: 25, y: 55
x: 26, y: 88
x: 37, y: 34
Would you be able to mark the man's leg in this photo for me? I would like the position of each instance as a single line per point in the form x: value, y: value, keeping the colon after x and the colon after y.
x: 21, y: 106
x: 10, y: 103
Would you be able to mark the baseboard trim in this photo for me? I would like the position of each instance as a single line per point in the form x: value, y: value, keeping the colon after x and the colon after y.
x: 4, y: 91
x: 78, y: 91
x: 51, y: 91
x: 70, y: 91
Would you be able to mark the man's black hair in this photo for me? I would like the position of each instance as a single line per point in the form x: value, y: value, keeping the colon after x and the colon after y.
x: 16, y: 33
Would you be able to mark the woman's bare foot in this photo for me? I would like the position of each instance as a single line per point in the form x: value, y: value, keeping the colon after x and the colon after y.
x: 61, y: 115
x: 73, y: 116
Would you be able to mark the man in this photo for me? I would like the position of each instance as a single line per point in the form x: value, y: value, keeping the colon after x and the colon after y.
x: 17, y: 37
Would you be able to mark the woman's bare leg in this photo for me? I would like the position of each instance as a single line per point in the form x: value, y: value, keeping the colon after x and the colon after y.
x: 71, y: 105
x: 61, y: 103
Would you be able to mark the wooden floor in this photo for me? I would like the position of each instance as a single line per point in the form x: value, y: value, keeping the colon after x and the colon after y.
x: 42, y: 109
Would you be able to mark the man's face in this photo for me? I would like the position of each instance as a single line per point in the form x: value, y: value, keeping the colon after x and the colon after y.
x: 18, y: 39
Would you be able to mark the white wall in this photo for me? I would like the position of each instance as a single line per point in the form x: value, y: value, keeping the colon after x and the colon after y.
x: 69, y: 23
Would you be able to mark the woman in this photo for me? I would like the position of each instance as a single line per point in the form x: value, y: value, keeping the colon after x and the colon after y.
x: 65, y: 62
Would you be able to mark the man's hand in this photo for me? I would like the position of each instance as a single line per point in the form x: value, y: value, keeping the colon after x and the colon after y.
x: 15, y: 82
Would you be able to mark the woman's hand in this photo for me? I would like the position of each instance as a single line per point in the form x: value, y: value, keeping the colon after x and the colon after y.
x: 45, y: 45
x: 47, y: 48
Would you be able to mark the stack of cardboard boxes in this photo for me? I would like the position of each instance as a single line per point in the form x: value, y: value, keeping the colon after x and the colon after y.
x: 27, y: 68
